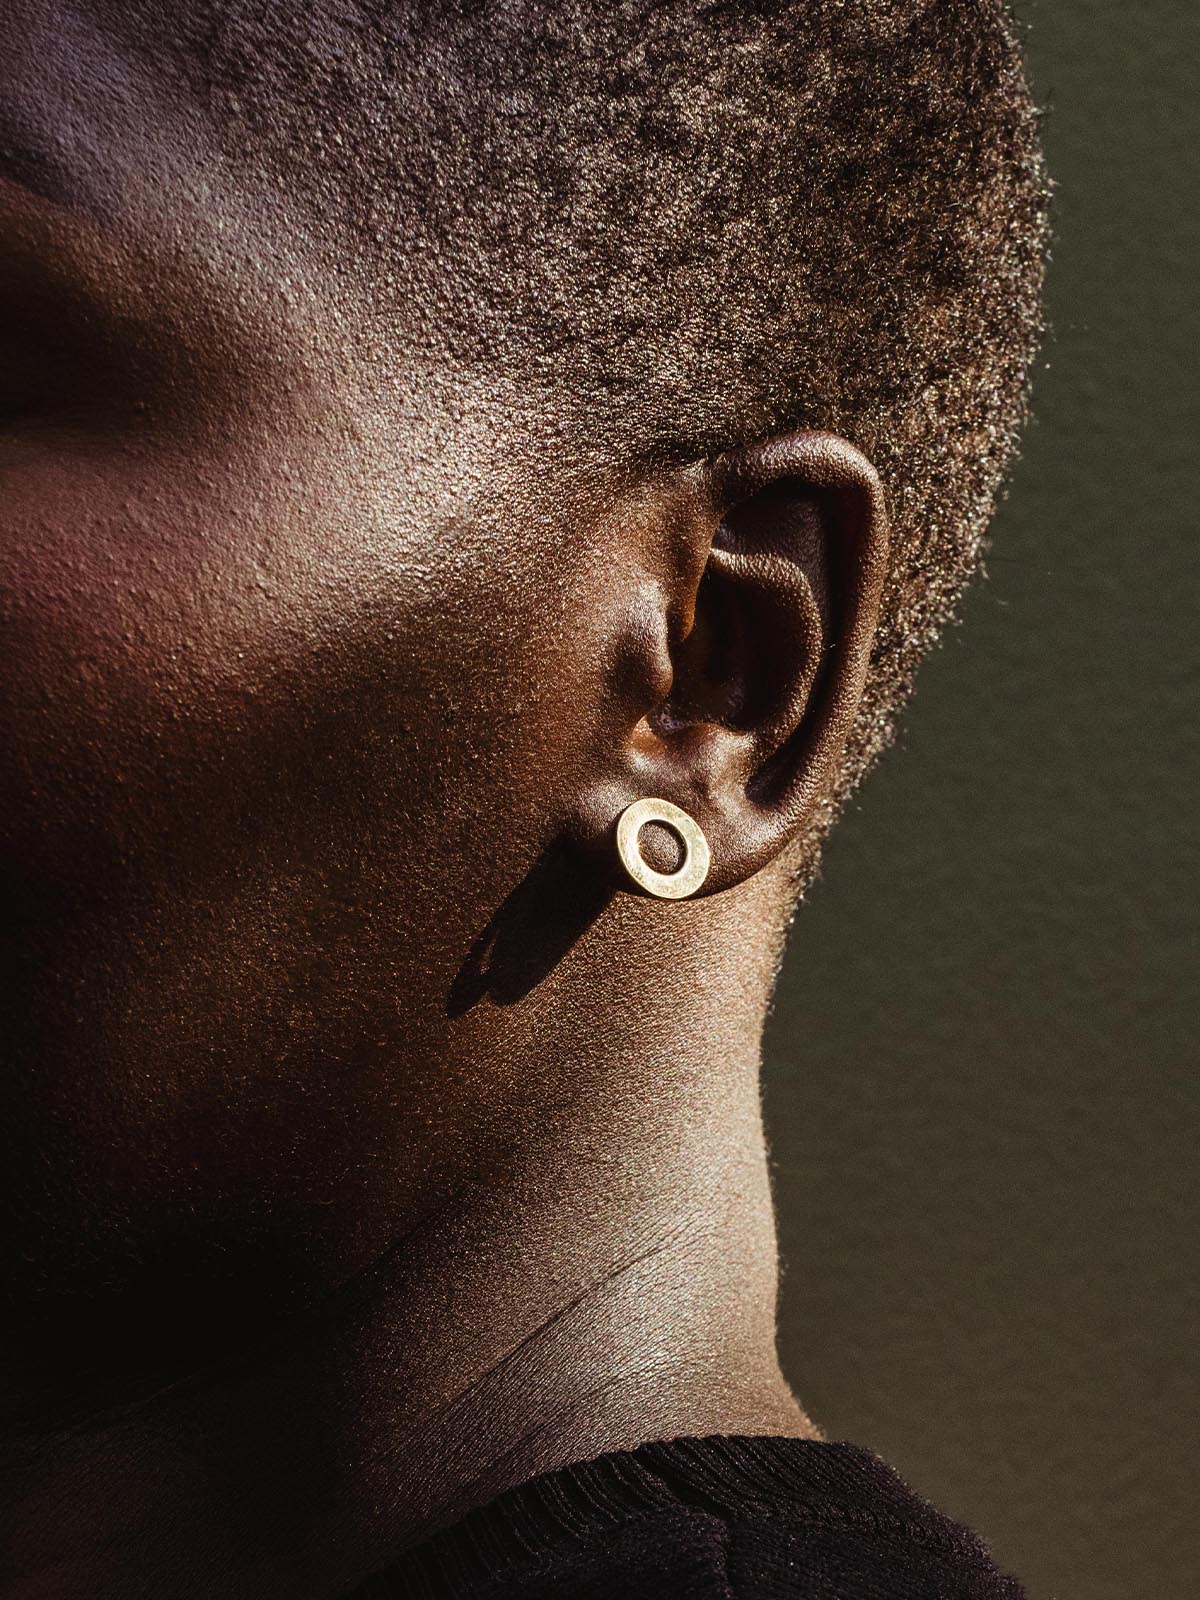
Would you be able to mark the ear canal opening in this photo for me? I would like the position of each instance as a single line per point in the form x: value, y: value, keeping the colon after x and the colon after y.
x: 708, y: 682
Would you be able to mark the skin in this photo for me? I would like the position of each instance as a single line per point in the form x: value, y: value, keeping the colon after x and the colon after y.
x: 365, y: 1146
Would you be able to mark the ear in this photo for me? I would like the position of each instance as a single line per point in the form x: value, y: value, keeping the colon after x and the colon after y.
x: 753, y: 667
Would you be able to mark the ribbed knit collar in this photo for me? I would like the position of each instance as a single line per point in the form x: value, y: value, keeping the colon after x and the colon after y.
x: 527, y: 1529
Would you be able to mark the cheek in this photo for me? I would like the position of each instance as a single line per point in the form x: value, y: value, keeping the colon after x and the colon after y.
x: 258, y: 758
x: 129, y: 619
x: 192, y: 659
x: 273, y: 747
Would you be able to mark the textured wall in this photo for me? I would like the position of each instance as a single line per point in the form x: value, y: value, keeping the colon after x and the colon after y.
x: 981, y: 1072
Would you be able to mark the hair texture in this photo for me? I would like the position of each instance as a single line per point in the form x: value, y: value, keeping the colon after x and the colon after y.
x: 685, y: 226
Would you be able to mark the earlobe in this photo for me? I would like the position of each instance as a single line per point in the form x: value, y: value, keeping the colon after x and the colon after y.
x: 767, y: 681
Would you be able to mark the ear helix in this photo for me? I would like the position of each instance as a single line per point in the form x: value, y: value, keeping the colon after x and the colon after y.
x: 692, y: 871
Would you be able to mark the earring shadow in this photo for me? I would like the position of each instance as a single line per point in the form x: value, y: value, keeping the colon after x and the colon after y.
x: 533, y: 929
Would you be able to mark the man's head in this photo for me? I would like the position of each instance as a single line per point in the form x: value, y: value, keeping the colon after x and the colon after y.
x: 425, y: 429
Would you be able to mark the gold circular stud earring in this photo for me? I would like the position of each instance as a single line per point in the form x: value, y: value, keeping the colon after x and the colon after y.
x: 691, y: 872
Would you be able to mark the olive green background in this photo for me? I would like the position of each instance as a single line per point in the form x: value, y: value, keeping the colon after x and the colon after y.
x: 981, y: 1083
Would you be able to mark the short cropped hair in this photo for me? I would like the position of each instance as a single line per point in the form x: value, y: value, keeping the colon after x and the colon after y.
x: 688, y: 224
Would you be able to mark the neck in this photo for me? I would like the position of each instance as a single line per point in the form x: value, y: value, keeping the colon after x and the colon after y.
x: 617, y: 1285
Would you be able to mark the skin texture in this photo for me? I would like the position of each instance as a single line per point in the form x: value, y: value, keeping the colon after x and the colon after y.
x: 366, y: 1147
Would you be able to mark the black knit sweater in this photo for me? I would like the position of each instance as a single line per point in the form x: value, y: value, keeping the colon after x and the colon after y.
x: 715, y: 1519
